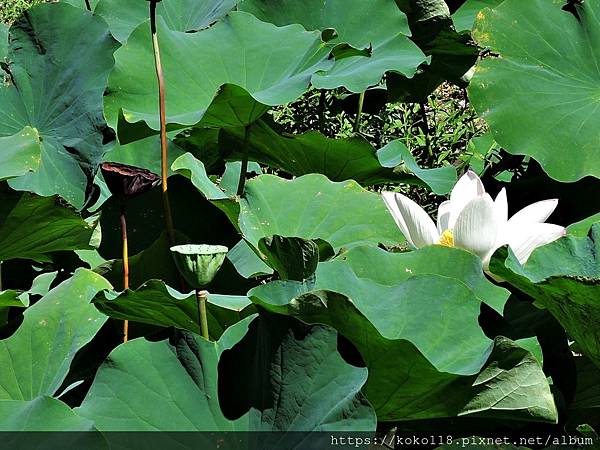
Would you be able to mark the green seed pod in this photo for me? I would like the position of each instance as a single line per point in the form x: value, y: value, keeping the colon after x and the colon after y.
x: 198, y: 264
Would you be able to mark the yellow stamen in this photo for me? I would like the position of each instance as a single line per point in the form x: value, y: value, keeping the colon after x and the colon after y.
x: 447, y: 239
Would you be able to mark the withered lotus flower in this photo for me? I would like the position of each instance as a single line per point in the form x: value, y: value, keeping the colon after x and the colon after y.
x: 126, y: 182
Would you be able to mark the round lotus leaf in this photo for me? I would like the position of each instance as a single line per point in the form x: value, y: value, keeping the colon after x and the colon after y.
x: 539, y: 95
x: 198, y: 264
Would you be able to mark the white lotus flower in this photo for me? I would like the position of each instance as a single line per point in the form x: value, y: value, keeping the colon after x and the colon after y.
x: 473, y: 221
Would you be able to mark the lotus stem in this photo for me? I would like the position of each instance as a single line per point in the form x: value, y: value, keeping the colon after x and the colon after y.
x: 163, y: 127
x: 425, y: 128
x: 1, y: 289
x: 125, y: 265
x: 244, y: 167
x: 202, y: 316
x: 87, y: 5
x: 361, y: 102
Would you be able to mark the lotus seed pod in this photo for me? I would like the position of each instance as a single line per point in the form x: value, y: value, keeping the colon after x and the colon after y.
x: 198, y: 264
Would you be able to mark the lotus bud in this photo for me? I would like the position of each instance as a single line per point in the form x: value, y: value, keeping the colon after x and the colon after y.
x: 126, y: 182
x: 198, y: 264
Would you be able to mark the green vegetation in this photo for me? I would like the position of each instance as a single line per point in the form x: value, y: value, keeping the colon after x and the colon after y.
x: 11, y: 9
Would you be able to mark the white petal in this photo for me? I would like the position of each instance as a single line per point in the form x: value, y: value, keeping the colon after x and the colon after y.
x: 466, y: 189
x: 477, y: 226
x: 501, y: 204
x: 443, y: 217
x: 527, y: 238
x: 486, y: 261
x: 416, y: 226
x: 534, y: 213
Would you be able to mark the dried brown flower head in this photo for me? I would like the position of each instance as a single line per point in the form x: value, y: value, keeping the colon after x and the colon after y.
x: 126, y: 182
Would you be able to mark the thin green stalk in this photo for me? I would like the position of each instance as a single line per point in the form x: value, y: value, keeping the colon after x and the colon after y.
x: 426, y: 129
x: 244, y: 167
x: 361, y: 101
x: 163, y: 127
x: 125, y: 264
x: 1, y: 289
x: 202, y: 316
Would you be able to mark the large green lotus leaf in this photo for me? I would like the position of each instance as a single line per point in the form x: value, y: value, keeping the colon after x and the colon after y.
x: 451, y: 54
x: 339, y: 159
x: 397, y: 54
x: 346, y: 17
x: 312, y: 207
x: 231, y: 176
x: 464, y: 17
x: 397, y: 156
x: 225, y: 190
x: 40, y: 414
x: 176, y: 387
x: 37, y: 226
x: 10, y: 298
x: 36, y: 358
x: 247, y: 263
x: 453, y: 343
x: 583, y: 227
x: 390, y: 269
x: 390, y: 48
x: 403, y: 384
x: 539, y: 97
x: 55, y: 86
x: 449, y: 281
x: 165, y: 387
x: 237, y: 50
x: 143, y: 153
x: 231, y: 106
x: 81, y: 3
x: 17, y: 299
x: 158, y: 304
x: 309, y: 386
x: 42, y: 283
x: 179, y: 15
x: 19, y: 153
x: 3, y: 41
x: 564, y: 277
x: 193, y: 169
